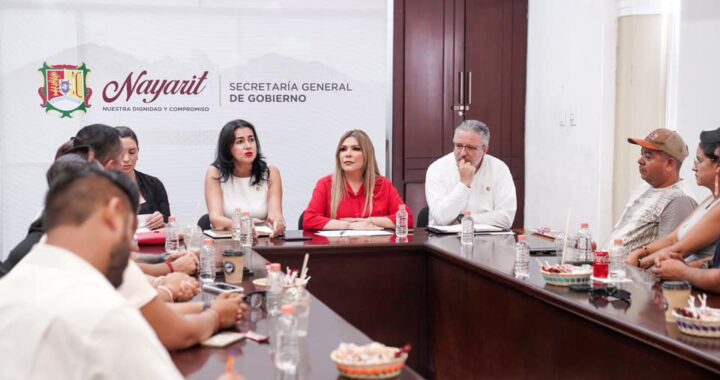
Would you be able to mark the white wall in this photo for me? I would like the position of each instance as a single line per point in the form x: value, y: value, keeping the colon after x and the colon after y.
x: 571, y: 70
x: 235, y: 41
x: 570, y: 80
x: 697, y: 104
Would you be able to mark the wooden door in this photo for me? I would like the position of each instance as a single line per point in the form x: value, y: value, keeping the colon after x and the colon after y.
x: 435, y: 40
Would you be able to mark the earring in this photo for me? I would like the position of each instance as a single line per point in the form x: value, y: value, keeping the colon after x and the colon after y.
x: 717, y: 185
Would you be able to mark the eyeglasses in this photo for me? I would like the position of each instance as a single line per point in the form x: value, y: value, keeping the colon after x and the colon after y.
x: 468, y: 148
x: 618, y: 298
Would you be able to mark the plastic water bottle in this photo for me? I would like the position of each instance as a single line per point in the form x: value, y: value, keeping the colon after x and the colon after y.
x: 275, y: 290
x: 172, y: 236
x: 246, y: 230
x: 287, y: 351
x: 522, y: 258
x: 401, y: 222
x: 584, y: 243
x: 617, y: 260
x: 236, y: 225
x: 207, y: 262
x: 467, y: 234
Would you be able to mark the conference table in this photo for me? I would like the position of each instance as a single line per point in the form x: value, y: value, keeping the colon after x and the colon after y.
x: 464, y: 313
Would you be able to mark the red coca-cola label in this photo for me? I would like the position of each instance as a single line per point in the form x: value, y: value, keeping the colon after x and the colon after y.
x: 601, y: 264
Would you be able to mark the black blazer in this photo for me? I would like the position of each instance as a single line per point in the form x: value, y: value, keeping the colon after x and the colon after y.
x: 154, y: 193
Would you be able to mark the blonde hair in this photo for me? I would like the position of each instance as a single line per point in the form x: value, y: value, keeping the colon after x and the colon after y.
x: 371, y: 173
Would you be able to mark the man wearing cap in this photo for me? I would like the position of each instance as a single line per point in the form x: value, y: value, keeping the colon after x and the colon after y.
x: 655, y: 211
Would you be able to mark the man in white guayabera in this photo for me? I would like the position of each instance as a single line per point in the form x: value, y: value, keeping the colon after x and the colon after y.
x: 470, y: 179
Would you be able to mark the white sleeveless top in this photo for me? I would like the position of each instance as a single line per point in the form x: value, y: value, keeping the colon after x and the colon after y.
x: 693, y: 220
x: 237, y: 192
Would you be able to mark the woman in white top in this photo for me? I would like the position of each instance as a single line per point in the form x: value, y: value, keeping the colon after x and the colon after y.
x: 240, y: 178
x: 695, y: 238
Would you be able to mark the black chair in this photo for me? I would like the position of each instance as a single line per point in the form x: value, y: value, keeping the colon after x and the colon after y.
x: 422, y: 218
x: 204, y: 222
x: 300, y: 221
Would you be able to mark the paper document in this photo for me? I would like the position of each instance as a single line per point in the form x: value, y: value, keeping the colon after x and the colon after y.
x: 456, y: 228
x: 262, y: 231
x: 351, y: 233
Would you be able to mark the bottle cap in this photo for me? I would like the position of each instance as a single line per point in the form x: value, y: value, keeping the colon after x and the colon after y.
x: 275, y: 267
x: 246, y: 213
x: 207, y: 241
x: 521, y: 238
x: 238, y: 210
x: 584, y: 225
x: 467, y: 213
x: 171, y: 218
x: 287, y: 309
x: 618, y: 241
x: 401, y: 207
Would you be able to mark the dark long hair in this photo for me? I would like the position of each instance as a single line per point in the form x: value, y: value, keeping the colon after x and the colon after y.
x: 127, y: 132
x: 224, y: 160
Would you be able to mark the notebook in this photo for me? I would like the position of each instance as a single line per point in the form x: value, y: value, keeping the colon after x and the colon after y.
x: 456, y: 228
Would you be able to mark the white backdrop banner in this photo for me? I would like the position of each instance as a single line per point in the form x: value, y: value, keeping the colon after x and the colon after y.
x: 302, y: 71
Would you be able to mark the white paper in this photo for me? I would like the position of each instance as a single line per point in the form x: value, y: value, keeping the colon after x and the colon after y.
x: 352, y: 233
x: 263, y: 230
x: 223, y: 339
x: 457, y: 228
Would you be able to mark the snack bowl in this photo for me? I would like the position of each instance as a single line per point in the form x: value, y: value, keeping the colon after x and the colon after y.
x: 357, y: 370
x: 567, y: 279
x: 697, y: 327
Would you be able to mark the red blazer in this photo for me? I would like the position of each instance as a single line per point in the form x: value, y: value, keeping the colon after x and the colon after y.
x: 385, y: 203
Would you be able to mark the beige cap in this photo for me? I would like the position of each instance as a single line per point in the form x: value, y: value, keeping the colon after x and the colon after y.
x: 664, y: 140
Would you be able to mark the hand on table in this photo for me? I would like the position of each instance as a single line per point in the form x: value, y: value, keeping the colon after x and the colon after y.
x: 632, y: 258
x: 182, y: 286
x: 184, y: 261
x: 277, y: 225
x: 363, y: 224
x: 230, y: 307
x: 669, y: 269
x: 155, y: 221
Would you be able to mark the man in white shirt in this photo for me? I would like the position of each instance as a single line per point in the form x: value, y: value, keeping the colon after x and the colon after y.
x: 60, y: 315
x: 470, y: 179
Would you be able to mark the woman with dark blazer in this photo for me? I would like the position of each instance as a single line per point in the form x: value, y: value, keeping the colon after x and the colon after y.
x: 153, y: 197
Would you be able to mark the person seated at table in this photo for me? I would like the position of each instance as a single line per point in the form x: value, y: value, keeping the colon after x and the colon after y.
x: 101, y: 145
x: 660, y: 204
x: 355, y: 196
x: 61, y: 301
x: 241, y: 178
x: 176, y: 325
x: 153, y: 197
x: 469, y: 179
x: 695, y: 238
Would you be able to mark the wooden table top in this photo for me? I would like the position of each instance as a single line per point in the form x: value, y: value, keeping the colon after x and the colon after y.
x: 491, y: 257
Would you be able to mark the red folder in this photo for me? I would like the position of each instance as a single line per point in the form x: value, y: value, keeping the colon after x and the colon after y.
x: 151, y: 238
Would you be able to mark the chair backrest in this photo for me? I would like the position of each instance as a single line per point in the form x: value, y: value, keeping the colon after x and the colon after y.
x: 204, y: 222
x: 300, y: 221
x: 422, y: 218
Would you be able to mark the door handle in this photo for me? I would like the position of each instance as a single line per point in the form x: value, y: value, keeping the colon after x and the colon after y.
x: 469, y: 90
x: 460, y: 108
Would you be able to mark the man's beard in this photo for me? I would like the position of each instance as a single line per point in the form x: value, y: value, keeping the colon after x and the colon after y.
x: 119, y: 256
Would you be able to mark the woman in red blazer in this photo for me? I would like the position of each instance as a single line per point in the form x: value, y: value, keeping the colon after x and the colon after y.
x: 355, y: 196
